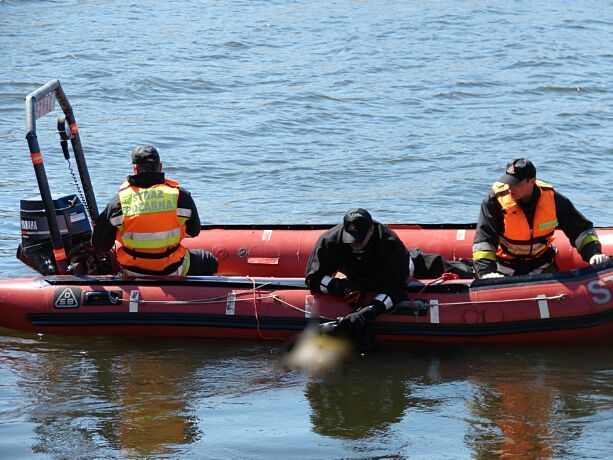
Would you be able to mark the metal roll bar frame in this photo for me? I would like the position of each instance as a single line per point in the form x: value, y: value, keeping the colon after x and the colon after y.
x: 39, y: 103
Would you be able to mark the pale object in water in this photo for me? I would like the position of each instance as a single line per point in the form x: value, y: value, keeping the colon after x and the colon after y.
x: 316, y: 353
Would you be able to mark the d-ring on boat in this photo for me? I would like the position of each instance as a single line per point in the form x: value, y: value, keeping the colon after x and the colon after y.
x: 260, y: 292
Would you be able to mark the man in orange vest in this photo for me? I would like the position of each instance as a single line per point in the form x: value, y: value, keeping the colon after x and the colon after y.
x: 150, y: 215
x: 517, y: 222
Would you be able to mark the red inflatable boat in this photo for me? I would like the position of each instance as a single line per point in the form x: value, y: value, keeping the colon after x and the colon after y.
x: 260, y: 291
x: 260, y: 294
x: 283, y: 250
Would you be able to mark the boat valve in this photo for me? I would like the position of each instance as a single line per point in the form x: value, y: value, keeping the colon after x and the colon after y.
x: 412, y: 307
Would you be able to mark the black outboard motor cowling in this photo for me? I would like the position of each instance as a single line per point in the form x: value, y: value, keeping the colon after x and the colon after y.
x: 36, y: 249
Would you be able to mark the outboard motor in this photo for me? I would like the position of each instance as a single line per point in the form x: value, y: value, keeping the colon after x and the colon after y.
x: 36, y: 250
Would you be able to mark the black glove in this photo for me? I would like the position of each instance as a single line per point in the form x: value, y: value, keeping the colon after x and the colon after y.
x: 355, y: 323
x: 349, y: 290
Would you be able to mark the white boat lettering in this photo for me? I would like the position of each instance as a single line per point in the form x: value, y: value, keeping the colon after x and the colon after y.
x: 602, y: 293
x: 29, y: 225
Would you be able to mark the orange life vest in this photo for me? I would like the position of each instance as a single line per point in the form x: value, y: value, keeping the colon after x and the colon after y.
x: 150, y: 228
x: 520, y: 240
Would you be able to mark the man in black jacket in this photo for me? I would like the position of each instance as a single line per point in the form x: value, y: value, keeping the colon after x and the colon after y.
x: 517, y: 221
x: 371, y: 258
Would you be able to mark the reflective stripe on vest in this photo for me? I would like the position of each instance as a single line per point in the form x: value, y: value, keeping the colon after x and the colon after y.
x: 152, y: 225
x: 519, y: 239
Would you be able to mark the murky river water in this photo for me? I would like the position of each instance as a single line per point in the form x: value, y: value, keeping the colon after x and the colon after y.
x: 292, y: 112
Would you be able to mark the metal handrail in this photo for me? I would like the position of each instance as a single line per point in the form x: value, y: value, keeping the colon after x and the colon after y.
x: 39, y: 103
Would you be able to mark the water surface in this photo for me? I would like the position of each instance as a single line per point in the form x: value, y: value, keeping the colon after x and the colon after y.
x: 293, y: 112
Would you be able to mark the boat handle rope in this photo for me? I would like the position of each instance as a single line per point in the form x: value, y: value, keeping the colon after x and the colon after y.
x: 301, y: 310
x: 561, y: 296
x: 252, y: 297
x: 221, y: 298
x: 538, y: 298
x: 208, y: 300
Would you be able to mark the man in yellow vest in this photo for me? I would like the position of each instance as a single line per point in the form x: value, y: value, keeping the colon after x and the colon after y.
x: 517, y: 222
x: 150, y: 216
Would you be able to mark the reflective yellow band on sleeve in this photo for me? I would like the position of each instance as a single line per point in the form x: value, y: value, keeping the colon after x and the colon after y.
x: 488, y: 255
x: 591, y: 238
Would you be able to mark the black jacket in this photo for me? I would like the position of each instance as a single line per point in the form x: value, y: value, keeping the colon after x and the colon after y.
x: 382, y: 267
x: 491, y: 224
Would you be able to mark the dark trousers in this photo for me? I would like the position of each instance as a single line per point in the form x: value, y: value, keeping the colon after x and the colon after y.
x: 545, y: 263
x: 202, y: 262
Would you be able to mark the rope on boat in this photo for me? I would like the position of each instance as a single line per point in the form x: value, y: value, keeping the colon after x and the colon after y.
x: 554, y: 297
x: 250, y: 296
x: 209, y: 300
x: 301, y: 310
x: 255, y: 310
